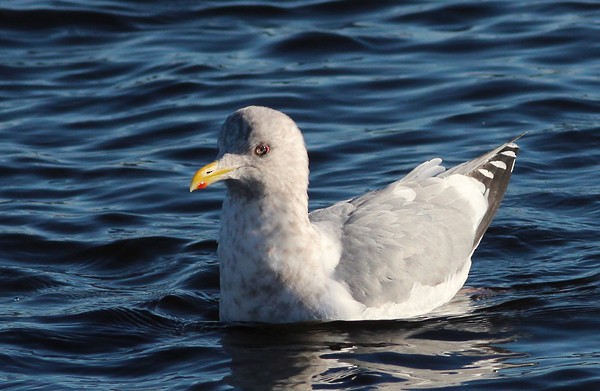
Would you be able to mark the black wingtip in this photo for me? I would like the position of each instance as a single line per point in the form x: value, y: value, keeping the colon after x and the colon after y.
x: 494, y: 173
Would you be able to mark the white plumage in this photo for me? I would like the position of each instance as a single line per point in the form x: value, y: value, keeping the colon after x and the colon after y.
x: 397, y: 252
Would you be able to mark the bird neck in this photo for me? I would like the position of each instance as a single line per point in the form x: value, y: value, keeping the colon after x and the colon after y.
x: 275, y: 212
x: 271, y: 203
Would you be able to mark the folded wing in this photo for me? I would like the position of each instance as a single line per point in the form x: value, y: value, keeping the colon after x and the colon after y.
x: 421, y: 229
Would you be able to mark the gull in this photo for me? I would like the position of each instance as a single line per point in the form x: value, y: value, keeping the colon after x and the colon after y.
x: 394, y: 253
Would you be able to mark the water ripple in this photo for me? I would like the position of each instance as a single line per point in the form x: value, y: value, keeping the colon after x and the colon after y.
x: 108, y: 266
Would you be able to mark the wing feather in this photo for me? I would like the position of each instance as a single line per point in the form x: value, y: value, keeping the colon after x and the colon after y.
x: 421, y: 229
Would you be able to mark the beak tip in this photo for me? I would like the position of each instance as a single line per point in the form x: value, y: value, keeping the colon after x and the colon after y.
x: 198, y: 186
x: 207, y: 175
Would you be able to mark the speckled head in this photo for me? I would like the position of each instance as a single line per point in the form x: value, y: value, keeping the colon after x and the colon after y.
x: 252, y: 125
x: 258, y: 148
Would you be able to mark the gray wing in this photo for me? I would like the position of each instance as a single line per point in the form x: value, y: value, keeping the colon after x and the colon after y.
x: 421, y: 229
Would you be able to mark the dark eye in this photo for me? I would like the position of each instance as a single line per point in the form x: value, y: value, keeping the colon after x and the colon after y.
x: 261, y: 149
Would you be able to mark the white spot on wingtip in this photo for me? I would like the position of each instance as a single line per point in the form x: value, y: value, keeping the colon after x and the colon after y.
x: 508, y: 153
x: 486, y: 173
x: 499, y: 164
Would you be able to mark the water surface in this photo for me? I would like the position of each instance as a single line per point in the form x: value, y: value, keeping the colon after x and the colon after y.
x: 108, y: 266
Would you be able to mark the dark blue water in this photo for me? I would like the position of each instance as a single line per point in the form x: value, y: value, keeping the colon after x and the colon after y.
x: 108, y: 266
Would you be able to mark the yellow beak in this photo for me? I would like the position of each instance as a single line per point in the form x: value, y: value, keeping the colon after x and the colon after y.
x: 207, y: 175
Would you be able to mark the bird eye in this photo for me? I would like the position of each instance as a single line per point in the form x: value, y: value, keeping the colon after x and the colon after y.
x: 261, y: 150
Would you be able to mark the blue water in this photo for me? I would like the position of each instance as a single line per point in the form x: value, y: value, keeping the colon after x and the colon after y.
x: 108, y: 266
